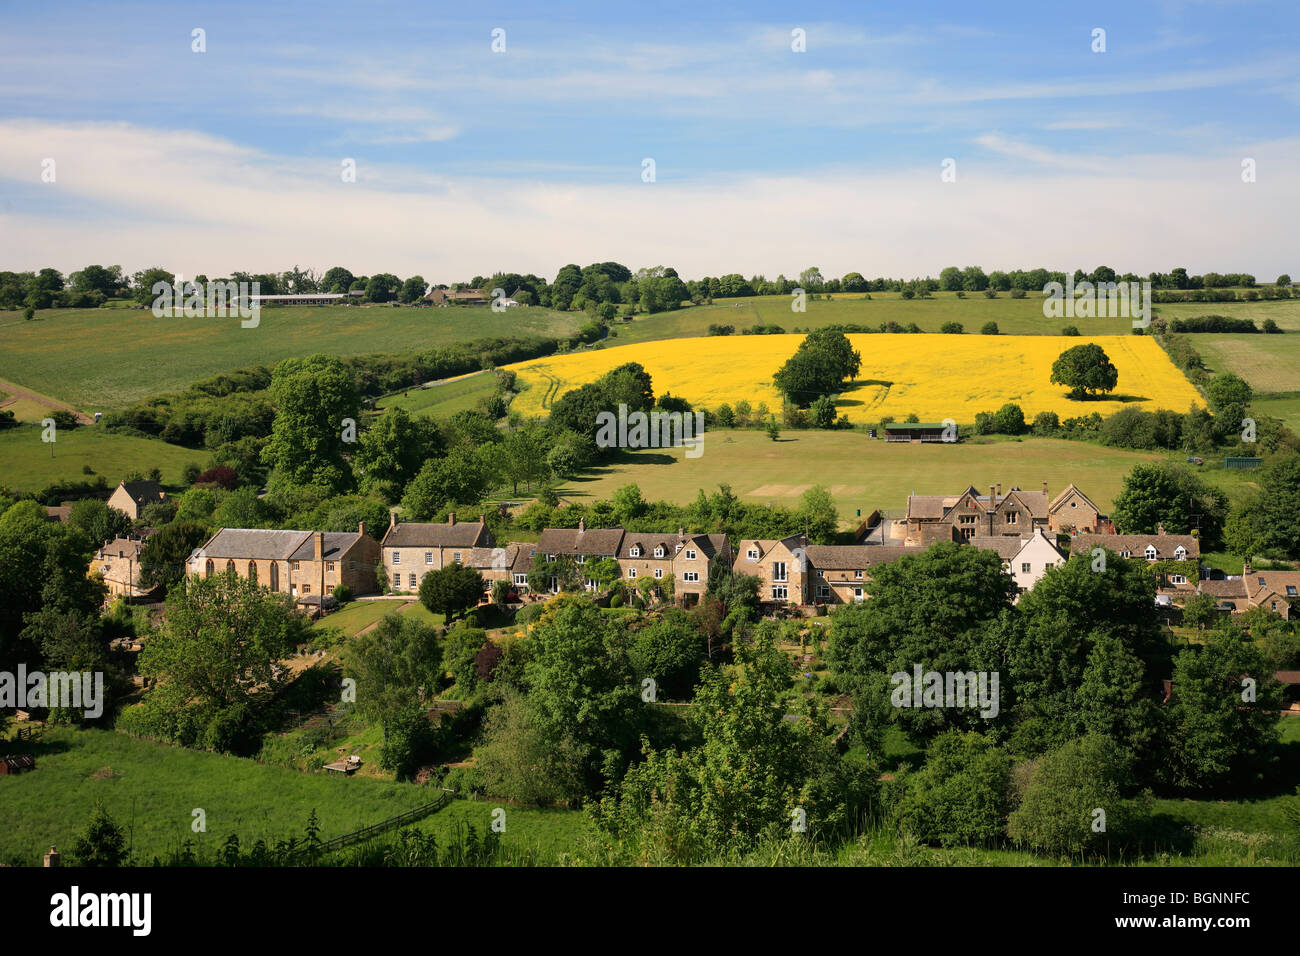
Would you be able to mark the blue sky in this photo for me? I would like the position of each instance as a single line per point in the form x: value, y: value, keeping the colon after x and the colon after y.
x: 766, y: 160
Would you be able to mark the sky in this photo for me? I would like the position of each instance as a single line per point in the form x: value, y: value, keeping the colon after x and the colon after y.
x: 766, y: 159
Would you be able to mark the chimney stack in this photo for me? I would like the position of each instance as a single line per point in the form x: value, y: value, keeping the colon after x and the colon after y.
x: 1044, y: 488
x: 1160, y: 528
x: 52, y: 858
x: 481, y: 520
x: 993, y: 499
x: 361, y: 528
x: 320, y: 545
x: 999, y: 489
x: 451, y: 517
x: 392, y: 520
x: 582, y: 525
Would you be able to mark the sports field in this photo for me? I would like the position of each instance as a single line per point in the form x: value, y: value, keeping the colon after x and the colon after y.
x: 932, y: 376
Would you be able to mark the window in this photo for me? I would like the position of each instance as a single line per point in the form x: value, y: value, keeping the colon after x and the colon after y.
x: 230, y: 565
x: 252, y: 571
x: 294, y: 566
x: 679, y: 547
x: 752, y: 554
x: 1150, y: 552
x: 659, y: 572
x: 857, y: 575
x: 329, y: 567
x: 455, y: 556
x: 1013, y: 517
x: 1126, y: 553
x: 857, y: 594
x: 207, y: 570
x: 1180, y: 552
x: 1274, y: 605
x: 550, y: 558
x: 428, y: 557
x: 580, y: 559
x: 397, y: 557
x: 631, y: 572
x: 659, y: 551
x: 306, y: 589
x: 1290, y: 590
x: 521, y: 579
x: 555, y: 586
x: 823, y: 591
x: 967, y: 519
x: 690, y: 575
x: 589, y: 584
x: 1025, y: 567
x: 780, y: 593
x: 411, y: 582
x: 968, y: 533
x: 778, y: 571
x: 635, y: 552
x: 1177, y: 579
x: 690, y: 554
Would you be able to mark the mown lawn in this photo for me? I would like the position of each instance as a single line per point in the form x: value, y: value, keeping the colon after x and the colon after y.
x: 26, y: 463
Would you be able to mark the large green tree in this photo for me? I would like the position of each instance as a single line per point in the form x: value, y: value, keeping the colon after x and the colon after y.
x: 451, y: 590
x: 1085, y: 370
x: 314, y: 399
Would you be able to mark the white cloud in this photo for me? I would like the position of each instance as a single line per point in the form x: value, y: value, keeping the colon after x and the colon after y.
x: 201, y: 204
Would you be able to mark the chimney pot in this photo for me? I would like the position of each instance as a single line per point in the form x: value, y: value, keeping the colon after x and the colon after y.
x: 582, y: 524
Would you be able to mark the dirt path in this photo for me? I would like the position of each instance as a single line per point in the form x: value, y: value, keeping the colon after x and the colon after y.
x: 17, y: 391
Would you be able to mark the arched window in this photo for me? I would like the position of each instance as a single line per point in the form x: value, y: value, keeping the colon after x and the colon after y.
x: 252, y: 571
x: 208, y: 569
x: 275, y: 576
x: 230, y: 565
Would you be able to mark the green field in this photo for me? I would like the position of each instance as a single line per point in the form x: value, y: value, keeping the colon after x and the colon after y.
x: 99, y: 359
x: 152, y: 789
x: 25, y: 462
x: 866, y: 474
x: 442, y: 399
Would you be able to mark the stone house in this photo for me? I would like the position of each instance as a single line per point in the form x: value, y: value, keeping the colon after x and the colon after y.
x: 841, y: 574
x: 682, y: 558
x: 935, y: 518
x: 134, y: 496
x: 412, y: 549
x: 1025, y: 559
x: 304, y: 564
x: 119, y: 563
x: 780, y: 566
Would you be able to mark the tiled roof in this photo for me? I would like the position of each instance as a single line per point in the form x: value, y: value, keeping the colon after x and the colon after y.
x: 854, y: 557
x: 1007, y: 546
x: 336, y: 544
x: 144, y: 492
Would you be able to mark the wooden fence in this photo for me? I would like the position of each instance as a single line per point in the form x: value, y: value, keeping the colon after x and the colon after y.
x: 383, y: 826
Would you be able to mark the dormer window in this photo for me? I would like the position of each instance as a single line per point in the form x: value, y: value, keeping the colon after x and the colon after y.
x: 1151, y: 552
x: 659, y: 551
x: 635, y: 551
x: 1180, y: 552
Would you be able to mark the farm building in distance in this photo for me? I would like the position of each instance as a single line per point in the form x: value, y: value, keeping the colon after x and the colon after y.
x: 921, y: 432
x: 314, y: 298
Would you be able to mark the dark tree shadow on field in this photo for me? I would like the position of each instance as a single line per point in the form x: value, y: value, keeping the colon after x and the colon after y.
x: 1121, y: 397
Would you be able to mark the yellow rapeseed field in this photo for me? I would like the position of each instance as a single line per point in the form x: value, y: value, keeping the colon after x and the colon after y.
x: 932, y: 376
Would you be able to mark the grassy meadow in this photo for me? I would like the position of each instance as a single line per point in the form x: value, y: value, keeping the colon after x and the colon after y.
x: 98, y: 359
x: 932, y: 376
x: 26, y: 463
x: 866, y: 474
x: 444, y: 398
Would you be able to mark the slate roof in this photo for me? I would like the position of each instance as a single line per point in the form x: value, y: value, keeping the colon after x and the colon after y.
x: 336, y: 544
x: 144, y: 492
x: 413, y: 534
x: 1007, y: 546
x: 254, y: 543
x: 854, y: 557
x: 571, y: 541
x: 1137, y: 544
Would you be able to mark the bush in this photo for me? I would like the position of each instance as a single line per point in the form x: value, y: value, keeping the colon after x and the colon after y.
x: 1070, y: 330
x: 1017, y: 293
x: 1271, y: 327
x: 962, y: 794
x: 989, y: 328
x: 951, y: 328
x: 342, y: 593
